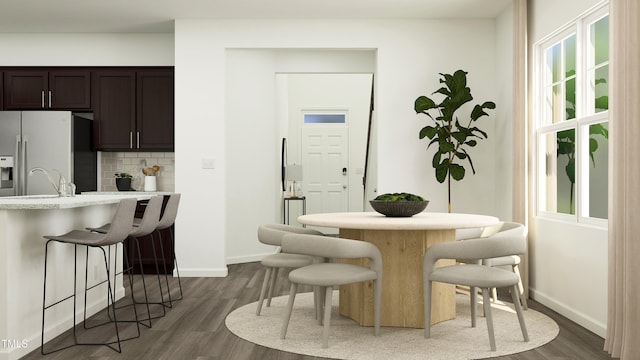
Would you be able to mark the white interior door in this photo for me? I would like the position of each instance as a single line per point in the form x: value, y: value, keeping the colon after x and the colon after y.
x: 325, y: 162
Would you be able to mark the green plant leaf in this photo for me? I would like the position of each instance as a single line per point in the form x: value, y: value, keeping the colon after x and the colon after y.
x: 457, y: 171
x: 471, y: 143
x: 570, y: 169
x: 441, y: 172
x: 428, y: 131
x: 423, y: 103
x: 461, y: 155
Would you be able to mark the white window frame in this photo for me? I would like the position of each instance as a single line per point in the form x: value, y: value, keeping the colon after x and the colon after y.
x: 579, y: 27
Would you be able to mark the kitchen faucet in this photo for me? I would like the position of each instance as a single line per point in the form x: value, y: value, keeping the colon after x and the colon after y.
x: 61, y: 188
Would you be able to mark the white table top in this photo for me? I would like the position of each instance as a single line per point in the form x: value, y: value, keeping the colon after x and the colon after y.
x: 376, y: 221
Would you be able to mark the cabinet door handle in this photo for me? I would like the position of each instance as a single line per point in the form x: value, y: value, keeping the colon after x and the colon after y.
x: 49, y: 99
x: 130, y: 139
x: 138, y: 139
x: 42, y: 99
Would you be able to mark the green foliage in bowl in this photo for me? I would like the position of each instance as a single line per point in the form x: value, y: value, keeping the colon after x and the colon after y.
x: 399, y: 204
x: 399, y: 197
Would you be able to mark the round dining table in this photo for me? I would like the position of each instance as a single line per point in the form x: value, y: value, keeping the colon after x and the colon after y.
x: 402, y: 242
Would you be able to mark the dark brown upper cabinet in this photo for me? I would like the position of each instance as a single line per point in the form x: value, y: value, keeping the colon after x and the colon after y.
x: 155, y: 109
x: 1, y: 90
x: 35, y: 89
x: 114, y: 99
x: 133, y: 109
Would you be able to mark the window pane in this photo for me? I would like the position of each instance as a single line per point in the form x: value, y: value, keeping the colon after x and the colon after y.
x: 553, y: 63
x: 570, y: 56
x: 559, y: 166
x: 598, y: 170
x: 600, y: 40
x: 324, y: 118
x: 555, y: 105
x: 601, y: 89
x: 571, y: 99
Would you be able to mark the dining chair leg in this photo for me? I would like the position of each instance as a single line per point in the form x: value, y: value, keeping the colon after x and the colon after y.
x: 427, y: 309
x: 318, y: 300
x: 263, y: 291
x: 272, y: 285
x: 328, y: 296
x: 287, y: 314
x: 473, y: 297
x: 518, y: 308
x: 486, y: 299
x: 523, y: 298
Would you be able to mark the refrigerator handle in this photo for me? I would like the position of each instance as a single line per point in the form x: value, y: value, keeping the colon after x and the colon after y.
x: 17, y: 188
x: 25, y: 166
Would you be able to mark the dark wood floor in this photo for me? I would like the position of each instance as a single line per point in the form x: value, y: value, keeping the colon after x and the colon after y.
x: 194, y: 328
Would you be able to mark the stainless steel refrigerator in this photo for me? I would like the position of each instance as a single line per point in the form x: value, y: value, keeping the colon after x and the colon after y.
x: 58, y: 141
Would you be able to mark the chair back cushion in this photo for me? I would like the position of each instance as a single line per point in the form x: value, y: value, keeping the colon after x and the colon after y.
x: 510, y: 240
x: 170, y: 212
x: 332, y: 247
x: 271, y: 234
x: 150, y: 219
x: 122, y: 222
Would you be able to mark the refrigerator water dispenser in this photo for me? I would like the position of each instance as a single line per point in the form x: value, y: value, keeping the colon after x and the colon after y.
x: 6, y: 172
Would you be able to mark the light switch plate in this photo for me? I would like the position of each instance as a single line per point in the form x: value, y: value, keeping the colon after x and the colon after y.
x: 208, y: 163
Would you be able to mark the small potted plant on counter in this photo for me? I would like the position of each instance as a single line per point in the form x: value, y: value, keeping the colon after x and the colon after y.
x: 123, y: 181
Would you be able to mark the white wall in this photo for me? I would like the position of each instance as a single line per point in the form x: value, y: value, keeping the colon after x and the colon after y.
x: 410, y: 54
x: 568, y: 270
x: 253, y: 177
x: 86, y: 49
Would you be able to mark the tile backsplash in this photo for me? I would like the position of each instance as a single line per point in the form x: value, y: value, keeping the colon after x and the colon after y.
x: 131, y: 162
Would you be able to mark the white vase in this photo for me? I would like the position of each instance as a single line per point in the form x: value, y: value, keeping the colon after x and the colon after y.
x: 149, y: 183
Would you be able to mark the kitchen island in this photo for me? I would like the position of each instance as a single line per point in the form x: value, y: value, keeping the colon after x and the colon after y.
x: 24, y: 220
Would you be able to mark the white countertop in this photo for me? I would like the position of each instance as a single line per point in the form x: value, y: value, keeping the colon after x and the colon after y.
x: 376, y: 221
x: 43, y: 202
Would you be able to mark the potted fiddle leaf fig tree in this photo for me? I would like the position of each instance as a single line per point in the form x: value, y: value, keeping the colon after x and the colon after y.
x: 453, y: 134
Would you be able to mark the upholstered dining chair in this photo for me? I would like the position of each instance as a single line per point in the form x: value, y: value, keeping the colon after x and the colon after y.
x: 326, y: 275
x: 510, y: 240
x: 272, y: 234
x: 511, y: 260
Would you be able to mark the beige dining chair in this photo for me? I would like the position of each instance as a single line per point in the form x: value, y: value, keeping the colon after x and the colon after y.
x: 510, y: 240
x: 272, y: 234
x: 512, y: 260
x: 326, y: 275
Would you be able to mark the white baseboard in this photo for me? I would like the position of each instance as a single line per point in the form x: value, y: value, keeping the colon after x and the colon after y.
x: 206, y: 272
x: 247, y: 258
x: 580, y: 318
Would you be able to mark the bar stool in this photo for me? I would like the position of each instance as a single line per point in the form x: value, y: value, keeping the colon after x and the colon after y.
x: 146, y: 226
x: 166, y: 222
x: 118, y: 232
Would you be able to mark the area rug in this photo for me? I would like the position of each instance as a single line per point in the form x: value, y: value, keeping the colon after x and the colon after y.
x: 453, y: 339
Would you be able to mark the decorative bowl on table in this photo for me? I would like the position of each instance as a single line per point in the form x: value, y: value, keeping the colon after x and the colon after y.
x: 399, y: 204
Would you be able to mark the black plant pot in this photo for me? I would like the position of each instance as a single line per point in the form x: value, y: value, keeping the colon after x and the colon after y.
x: 123, y: 184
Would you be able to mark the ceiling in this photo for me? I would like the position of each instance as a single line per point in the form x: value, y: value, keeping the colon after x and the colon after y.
x: 37, y: 16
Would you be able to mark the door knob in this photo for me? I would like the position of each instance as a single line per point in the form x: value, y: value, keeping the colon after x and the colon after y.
x: 344, y: 171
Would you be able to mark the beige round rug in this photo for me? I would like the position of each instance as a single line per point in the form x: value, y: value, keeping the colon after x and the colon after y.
x: 453, y: 339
